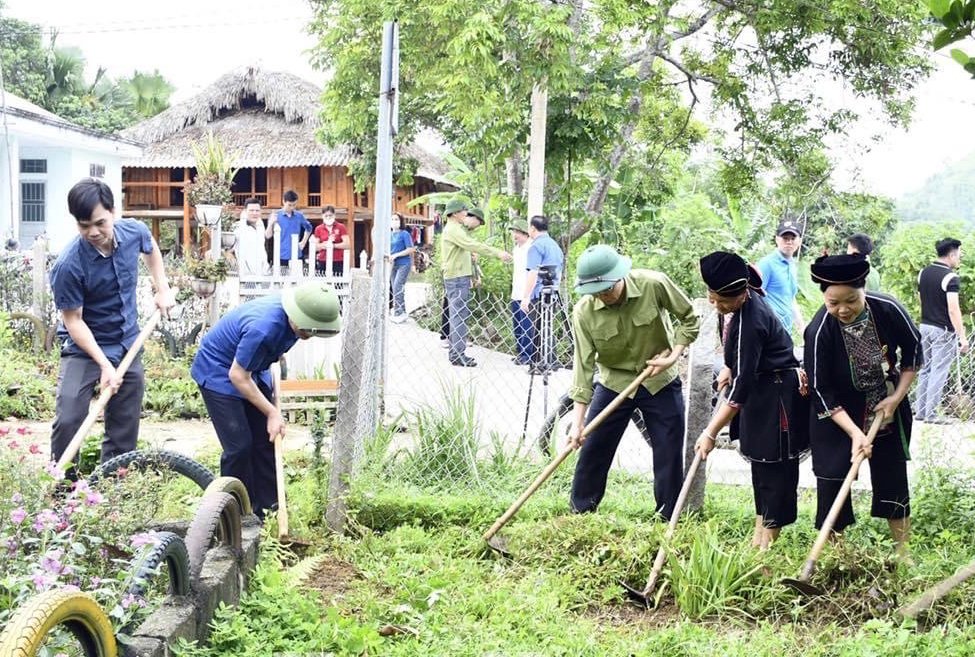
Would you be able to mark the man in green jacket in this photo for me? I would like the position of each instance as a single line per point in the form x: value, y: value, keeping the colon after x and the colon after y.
x: 625, y: 321
x: 456, y: 247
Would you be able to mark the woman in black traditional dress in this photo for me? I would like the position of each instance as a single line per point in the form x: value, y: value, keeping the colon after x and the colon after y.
x: 853, y: 345
x: 765, y: 404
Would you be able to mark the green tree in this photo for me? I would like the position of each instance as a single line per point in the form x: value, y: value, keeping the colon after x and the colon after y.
x: 957, y: 19
x: 623, y: 80
x: 24, y: 58
x: 149, y: 92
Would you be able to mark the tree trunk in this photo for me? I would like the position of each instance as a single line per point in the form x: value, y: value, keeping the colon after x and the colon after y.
x: 516, y: 181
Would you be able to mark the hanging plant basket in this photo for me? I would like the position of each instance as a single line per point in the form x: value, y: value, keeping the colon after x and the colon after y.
x: 208, y: 215
x: 202, y: 287
x: 227, y: 240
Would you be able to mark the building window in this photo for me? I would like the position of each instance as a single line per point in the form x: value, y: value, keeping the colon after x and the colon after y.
x: 32, y: 196
x: 96, y: 170
x: 33, y: 166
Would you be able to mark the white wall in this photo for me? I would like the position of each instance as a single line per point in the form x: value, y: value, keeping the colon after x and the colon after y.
x: 8, y: 187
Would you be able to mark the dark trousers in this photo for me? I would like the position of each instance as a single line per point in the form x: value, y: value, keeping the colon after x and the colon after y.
x: 77, y: 378
x: 247, y: 452
x: 663, y: 414
x: 524, y: 332
x: 338, y: 269
x: 444, y: 319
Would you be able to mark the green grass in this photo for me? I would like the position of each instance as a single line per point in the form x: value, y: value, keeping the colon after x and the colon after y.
x: 421, y: 567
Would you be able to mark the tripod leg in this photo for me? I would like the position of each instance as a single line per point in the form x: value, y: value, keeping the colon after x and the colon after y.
x: 528, y: 405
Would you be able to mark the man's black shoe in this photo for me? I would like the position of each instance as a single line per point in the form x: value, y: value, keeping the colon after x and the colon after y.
x: 463, y: 362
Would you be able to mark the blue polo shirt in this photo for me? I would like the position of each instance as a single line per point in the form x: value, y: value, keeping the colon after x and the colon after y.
x: 104, y: 287
x: 293, y: 225
x: 544, y: 252
x: 255, y: 334
x: 781, y: 284
x: 400, y: 240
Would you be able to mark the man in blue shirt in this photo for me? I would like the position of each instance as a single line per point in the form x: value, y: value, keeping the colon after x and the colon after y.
x: 779, y: 278
x: 292, y: 222
x: 544, y: 261
x: 231, y: 369
x: 94, y: 284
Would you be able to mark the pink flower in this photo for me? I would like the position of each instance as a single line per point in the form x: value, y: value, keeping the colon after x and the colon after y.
x: 4, y: 431
x: 46, y: 519
x: 128, y: 600
x: 13, y: 444
x: 42, y: 582
x: 53, y: 470
x: 23, y: 431
x: 145, y: 538
x: 51, y: 563
x: 34, y: 448
x: 16, y: 498
x: 95, y: 582
x: 94, y: 498
x: 17, y: 515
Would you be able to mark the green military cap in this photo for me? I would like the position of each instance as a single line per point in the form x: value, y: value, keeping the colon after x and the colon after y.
x: 477, y: 212
x: 454, y: 205
x: 521, y: 227
x: 599, y: 268
x: 313, y: 307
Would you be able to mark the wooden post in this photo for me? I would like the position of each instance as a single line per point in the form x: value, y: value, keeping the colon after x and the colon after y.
x: 350, y: 419
x: 294, y: 263
x: 39, y: 291
x: 186, y: 215
x: 536, y: 153
x: 700, y: 369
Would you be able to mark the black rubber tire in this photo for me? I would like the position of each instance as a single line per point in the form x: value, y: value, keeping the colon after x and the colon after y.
x: 235, y: 487
x: 544, y: 441
x: 171, y: 551
x: 217, y: 522
x: 179, y: 463
x: 26, y: 631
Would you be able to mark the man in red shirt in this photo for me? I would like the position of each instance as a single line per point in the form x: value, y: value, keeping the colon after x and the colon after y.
x: 331, y: 231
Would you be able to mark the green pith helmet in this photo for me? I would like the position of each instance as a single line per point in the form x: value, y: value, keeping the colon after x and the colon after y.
x: 313, y: 306
x: 454, y: 205
x: 599, y: 268
x: 477, y: 212
x: 521, y: 227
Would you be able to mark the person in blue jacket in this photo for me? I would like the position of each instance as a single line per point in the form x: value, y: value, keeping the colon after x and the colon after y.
x: 231, y: 369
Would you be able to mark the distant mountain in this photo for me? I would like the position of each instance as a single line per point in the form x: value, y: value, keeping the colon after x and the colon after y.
x: 949, y: 194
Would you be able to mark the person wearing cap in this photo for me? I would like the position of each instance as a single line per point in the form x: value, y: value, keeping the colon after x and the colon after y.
x: 943, y: 333
x: 626, y: 320
x: 780, y: 277
x: 524, y: 332
x: 861, y: 354
x: 456, y: 247
x: 766, y: 404
x: 231, y: 370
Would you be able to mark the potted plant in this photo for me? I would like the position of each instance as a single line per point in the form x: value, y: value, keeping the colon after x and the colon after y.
x: 205, y: 274
x: 228, y: 224
x: 212, y: 187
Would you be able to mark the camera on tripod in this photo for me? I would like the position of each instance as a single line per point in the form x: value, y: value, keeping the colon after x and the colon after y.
x: 547, y: 277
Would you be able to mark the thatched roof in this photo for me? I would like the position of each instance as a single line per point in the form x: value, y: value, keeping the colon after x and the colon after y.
x: 263, y: 119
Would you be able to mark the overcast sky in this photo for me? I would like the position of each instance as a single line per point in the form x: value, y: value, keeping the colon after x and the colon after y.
x: 192, y: 42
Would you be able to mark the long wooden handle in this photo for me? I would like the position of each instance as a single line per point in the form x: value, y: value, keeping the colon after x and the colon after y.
x: 834, y: 511
x: 71, y: 451
x: 279, y: 458
x: 551, y: 467
x: 936, y: 592
x: 658, y: 562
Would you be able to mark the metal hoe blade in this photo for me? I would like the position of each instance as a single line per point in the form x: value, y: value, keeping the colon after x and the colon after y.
x: 803, y: 586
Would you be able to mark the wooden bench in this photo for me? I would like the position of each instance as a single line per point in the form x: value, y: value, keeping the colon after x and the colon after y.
x: 302, y: 399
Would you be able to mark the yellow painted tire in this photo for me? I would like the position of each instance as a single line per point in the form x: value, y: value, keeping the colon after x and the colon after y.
x: 78, y: 612
x: 235, y: 487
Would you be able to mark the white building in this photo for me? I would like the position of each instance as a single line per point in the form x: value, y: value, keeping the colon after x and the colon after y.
x: 41, y: 157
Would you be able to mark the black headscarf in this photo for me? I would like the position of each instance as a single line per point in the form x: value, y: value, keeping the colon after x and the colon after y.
x: 843, y: 269
x: 727, y: 274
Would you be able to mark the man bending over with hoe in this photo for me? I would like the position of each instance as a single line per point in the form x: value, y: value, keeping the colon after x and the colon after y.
x: 625, y: 318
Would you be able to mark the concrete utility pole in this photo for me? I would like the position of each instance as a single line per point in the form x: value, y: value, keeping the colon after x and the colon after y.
x: 536, y: 155
x: 388, y: 126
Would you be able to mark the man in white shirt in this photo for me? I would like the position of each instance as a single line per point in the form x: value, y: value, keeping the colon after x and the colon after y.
x: 250, y: 252
x: 524, y: 330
